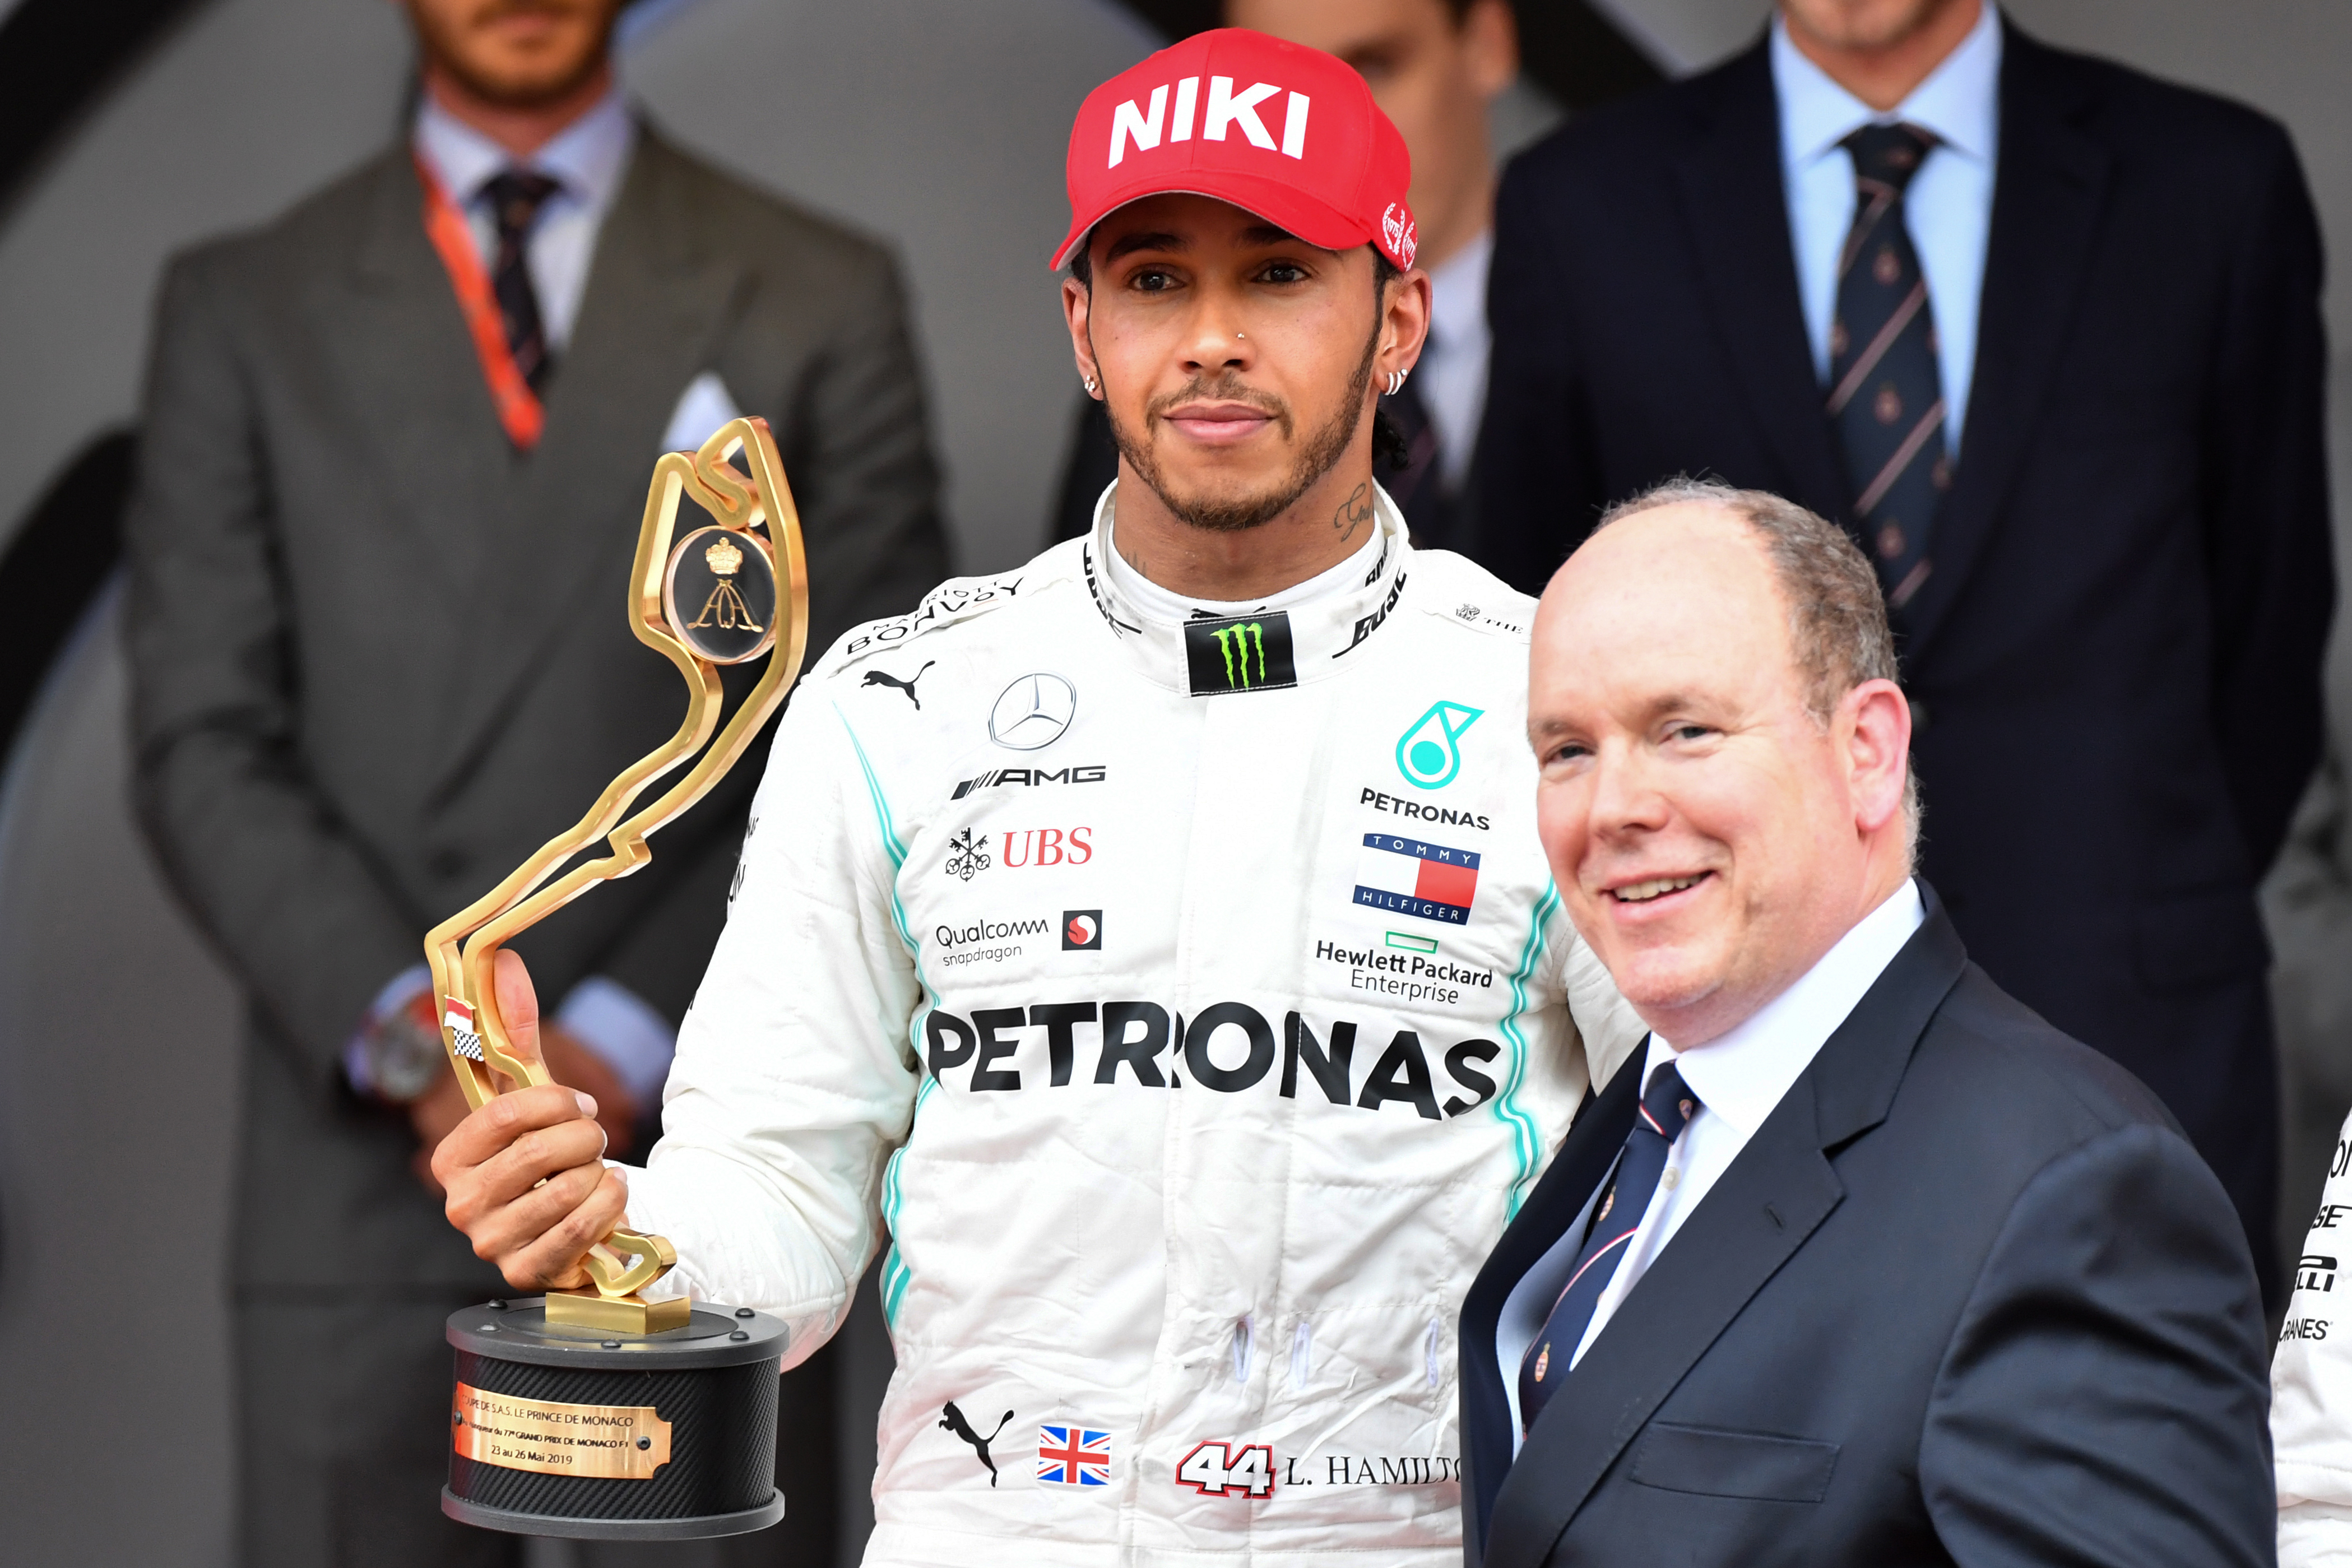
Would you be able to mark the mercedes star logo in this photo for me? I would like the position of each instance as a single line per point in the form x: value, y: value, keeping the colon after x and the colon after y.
x: 1033, y: 713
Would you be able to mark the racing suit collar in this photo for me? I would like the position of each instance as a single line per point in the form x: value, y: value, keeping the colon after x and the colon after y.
x: 1258, y: 649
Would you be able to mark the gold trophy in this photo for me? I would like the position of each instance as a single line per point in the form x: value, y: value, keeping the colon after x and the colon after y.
x: 594, y: 1412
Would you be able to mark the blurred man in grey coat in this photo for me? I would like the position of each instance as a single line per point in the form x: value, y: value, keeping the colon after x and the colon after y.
x: 396, y: 451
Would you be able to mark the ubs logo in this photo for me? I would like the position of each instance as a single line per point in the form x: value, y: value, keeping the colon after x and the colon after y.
x: 1048, y: 846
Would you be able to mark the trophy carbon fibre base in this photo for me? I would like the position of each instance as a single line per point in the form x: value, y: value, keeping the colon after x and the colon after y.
x: 561, y: 1430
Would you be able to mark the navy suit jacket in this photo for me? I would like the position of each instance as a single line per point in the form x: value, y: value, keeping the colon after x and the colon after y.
x: 1967, y: 1296
x: 2115, y: 660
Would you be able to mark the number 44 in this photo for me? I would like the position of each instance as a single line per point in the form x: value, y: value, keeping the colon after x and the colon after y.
x: 1219, y: 1469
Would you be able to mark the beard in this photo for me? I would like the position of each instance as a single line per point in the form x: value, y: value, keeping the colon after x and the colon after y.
x: 538, y: 82
x: 1238, y: 513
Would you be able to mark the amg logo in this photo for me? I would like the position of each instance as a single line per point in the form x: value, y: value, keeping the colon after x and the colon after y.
x: 1414, y: 809
x: 995, y: 776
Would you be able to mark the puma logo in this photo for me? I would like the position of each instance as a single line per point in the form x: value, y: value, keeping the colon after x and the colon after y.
x: 881, y: 678
x: 952, y: 1418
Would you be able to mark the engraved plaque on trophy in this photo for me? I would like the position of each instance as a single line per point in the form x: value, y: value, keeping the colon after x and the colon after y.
x: 594, y: 1412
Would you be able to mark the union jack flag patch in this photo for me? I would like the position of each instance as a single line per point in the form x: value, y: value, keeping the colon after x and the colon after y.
x: 1073, y: 1457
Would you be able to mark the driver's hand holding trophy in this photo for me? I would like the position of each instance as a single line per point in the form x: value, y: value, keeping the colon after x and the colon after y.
x: 592, y: 1411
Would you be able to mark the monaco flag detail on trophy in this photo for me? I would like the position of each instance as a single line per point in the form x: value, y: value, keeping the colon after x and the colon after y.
x: 457, y: 1017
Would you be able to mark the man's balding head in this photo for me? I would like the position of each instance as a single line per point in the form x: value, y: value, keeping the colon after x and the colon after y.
x: 1723, y: 747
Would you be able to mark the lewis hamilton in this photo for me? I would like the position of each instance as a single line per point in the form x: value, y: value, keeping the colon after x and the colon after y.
x: 1153, y: 942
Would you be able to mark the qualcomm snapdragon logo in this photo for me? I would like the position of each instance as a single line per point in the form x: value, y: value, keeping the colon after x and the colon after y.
x: 1429, y: 754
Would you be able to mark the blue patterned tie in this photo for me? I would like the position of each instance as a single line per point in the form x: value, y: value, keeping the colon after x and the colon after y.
x: 1666, y: 1108
x: 1886, y: 396
x: 515, y: 198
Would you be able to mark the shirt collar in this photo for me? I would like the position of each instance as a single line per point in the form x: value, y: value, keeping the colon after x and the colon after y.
x: 1741, y: 1075
x: 1324, y: 630
x: 587, y: 157
x: 1959, y: 102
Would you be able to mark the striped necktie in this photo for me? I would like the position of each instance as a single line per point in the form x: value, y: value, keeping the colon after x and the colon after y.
x: 1666, y: 1108
x: 515, y: 198
x: 1886, y: 396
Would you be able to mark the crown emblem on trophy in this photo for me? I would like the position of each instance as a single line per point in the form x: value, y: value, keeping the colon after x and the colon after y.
x: 724, y: 557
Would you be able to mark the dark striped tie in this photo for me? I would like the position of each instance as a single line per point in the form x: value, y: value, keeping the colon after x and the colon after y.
x: 516, y: 197
x: 1666, y: 1108
x: 1885, y: 396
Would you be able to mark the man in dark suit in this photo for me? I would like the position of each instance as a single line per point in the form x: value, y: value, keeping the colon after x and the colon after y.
x: 396, y: 448
x: 2043, y: 334
x: 1858, y: 1261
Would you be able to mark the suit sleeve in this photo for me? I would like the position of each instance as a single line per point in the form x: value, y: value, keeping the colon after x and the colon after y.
x: 2267, y: 540
x: 795, y: 1075
x: 2310, y: 1388
x: 1538, y: 493
x: 2102, y: 1401
x: 252, y: 847
x: 857, y: 451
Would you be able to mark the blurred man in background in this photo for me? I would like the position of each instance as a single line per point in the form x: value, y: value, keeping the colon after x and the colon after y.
x: 1435, y: 68
x: 2044, y: 334
x: 396, y: 447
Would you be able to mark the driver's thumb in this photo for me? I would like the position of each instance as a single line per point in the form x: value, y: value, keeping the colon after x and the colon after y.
x: 518, y: 1004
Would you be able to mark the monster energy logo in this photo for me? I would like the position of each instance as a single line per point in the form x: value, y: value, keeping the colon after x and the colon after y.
x: 1244, y: 654
x: 1250, y: 635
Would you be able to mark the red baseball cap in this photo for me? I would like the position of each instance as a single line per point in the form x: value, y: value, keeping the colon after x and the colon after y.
x: 1277, y: 129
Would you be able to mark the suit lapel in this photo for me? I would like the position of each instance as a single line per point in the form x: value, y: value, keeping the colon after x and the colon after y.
x: 1762, y: 1210
x: 1592, y: 1141
x: 1736, y: 219
x: 2050, y: 191
x: 419, y: 413
x: 658, y: 296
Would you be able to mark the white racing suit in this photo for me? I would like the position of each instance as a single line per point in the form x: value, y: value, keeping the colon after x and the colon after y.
x: 2311, y: 1386
x: 1191, y: 1004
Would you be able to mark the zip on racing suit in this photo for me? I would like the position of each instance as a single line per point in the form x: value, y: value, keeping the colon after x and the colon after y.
x: 1192, y: 1002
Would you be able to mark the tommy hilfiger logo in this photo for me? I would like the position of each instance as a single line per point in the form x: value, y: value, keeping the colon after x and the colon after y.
x: 1246, y: 653
x: 1413, y: 877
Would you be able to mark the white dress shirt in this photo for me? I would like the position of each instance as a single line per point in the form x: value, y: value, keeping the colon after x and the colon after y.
x: 586, y: 159
x: 1948, y: 203
x: 1453, y: 368
x: 1737, y: 1078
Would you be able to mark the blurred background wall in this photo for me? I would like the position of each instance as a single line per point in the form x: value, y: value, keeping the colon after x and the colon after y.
x: 130, y: 128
